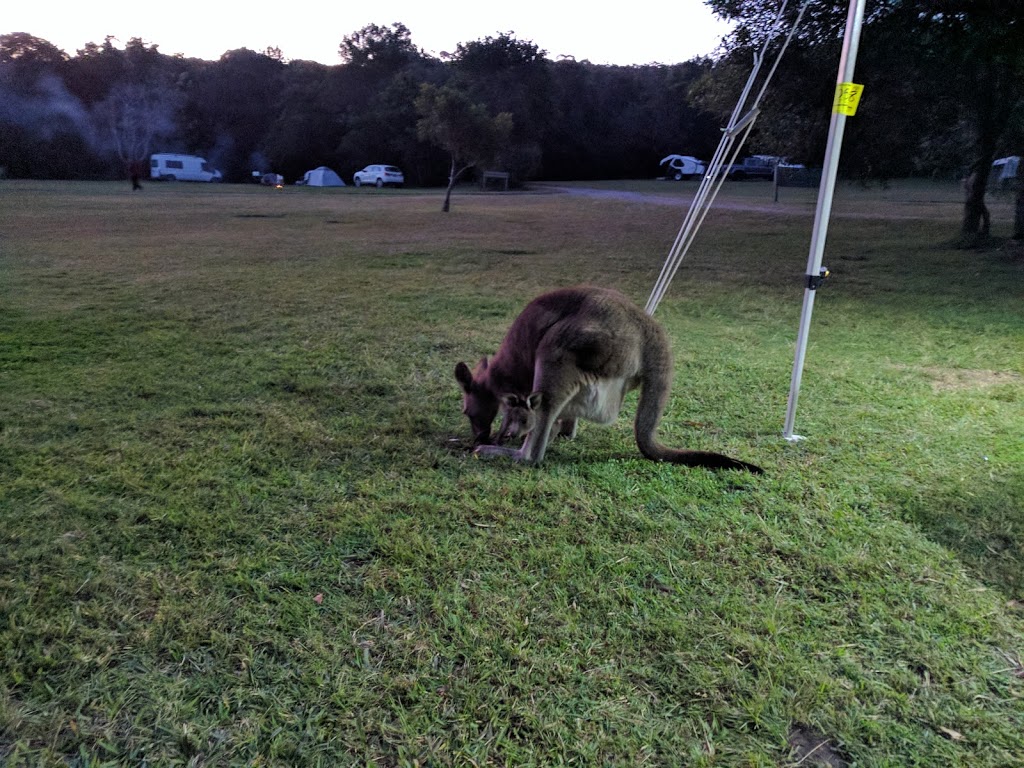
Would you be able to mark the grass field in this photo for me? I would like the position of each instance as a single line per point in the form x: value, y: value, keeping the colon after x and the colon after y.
x: 240, y: 524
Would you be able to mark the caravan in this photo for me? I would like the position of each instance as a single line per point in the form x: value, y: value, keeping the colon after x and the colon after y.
x: 172, y: 167
x: 683, y: 167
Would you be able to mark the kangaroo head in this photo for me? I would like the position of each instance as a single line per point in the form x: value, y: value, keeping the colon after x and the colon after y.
x: 479, y: 402
x: 520, y: 416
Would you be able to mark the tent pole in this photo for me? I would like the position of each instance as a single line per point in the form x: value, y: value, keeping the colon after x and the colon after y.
x: 847, y: 62
x: 733, y: 137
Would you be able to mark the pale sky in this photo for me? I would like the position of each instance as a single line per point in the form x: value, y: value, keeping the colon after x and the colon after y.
x: 632, y: 32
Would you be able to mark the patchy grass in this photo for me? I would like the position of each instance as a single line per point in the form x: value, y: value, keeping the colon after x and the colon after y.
x: 239, y: 523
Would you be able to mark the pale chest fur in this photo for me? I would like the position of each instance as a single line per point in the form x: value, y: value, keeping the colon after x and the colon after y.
x: 599, y: 399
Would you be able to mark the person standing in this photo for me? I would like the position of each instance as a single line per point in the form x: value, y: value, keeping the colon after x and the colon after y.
x: 135, y: 174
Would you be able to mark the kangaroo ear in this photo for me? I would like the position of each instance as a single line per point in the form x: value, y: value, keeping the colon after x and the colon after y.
x: 483, y: 363
x: 533, y: 401
x: 512, y: 400
x: 464, y: 376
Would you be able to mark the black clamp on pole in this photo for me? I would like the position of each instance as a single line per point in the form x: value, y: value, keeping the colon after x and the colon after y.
x: 814, y: 282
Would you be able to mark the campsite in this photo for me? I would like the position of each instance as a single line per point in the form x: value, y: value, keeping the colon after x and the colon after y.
x: 242, y: 523
x: 322, y: 176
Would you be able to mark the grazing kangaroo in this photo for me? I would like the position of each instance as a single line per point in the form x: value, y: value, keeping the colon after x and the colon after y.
x: 579, y: 351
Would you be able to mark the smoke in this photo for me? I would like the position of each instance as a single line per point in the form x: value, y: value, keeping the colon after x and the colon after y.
x: 47, y: 111
x: 123, y: 126
x: 259, y: 162
x: 135, y: 116
x: 221, y: 155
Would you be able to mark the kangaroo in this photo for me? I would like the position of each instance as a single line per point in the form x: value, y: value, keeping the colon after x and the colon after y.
x: 579, y: 350
x: 519, y: 416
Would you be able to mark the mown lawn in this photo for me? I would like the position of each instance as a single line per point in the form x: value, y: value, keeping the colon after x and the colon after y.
x: 240, y: 523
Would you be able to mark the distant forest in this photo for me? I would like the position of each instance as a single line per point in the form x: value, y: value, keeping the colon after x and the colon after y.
x: 89, y: 115
x: 943, y: 96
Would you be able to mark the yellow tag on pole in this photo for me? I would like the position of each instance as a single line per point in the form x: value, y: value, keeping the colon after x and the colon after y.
x: 847, y: 98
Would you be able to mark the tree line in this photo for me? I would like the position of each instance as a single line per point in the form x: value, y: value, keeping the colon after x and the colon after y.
x: 944, y: 97
x: 88, y: 115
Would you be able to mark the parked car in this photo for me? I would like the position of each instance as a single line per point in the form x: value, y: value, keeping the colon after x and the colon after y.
x: 682, y: 167
x: 754, y: 167
x: 1005, y: 171
x: 167, y: 166
x: 379, y: 175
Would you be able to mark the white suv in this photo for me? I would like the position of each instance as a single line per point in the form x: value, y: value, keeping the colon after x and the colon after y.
x: 379, y: 175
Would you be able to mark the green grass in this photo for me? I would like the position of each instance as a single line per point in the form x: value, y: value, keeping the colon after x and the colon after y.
x: 240, y: 524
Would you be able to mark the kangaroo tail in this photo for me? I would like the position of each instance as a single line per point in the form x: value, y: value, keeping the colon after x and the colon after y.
x: 654, y: 392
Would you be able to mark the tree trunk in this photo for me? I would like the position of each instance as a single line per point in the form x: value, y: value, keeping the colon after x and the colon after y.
x: 977, y: 222
x: 1018, y: 211
x: 448, y: 193
x: 453, y: 175
x: 991, y: 109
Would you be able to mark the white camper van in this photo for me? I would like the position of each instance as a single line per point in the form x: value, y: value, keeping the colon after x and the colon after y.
x: 171, y: 167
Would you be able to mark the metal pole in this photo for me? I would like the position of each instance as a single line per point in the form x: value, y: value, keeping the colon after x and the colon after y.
x: 733, y: 138
x: 847, y: 62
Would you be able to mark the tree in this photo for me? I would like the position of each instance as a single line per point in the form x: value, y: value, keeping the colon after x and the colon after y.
x: 386, y: 48
x: 131, y: 97
x: 980, y: 43
x: 135, y: 114
x: 44, y: 130
x: 306, y: 127
x: 510, y: 75
x: 385, y: 130
x: 1018, y: 212
x: 30, y: 52
x: 450, y: 119
x: 1015, y: 146
x: 230, y: 109
x: 927, y: 65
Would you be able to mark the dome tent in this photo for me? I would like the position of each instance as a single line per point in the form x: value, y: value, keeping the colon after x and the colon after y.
x: 322, y: 177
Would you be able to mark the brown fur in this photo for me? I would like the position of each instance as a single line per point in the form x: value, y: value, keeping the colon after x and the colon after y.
x: 580, y: 350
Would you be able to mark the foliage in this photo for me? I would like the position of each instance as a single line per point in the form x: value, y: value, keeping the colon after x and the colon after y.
x: 933, y: 71
x: 307, y: 125
x: 383, y: 48
x: 136, y: 116
x: 261, y: 111
x: 230, y: 107
x: 28, y: 52
x: 470, y: 136
x: 510, y: 76
x: 570, y: 120
x: 240, y: 525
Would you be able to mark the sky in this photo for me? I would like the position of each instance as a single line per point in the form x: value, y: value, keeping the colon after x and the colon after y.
x: 634, y: 32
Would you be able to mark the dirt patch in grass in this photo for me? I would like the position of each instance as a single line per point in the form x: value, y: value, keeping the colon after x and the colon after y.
x: 960, y: 379
x: 812, y: 748
x: 954, y: 379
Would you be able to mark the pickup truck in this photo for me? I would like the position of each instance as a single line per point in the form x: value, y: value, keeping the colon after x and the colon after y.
x: 755, y: 167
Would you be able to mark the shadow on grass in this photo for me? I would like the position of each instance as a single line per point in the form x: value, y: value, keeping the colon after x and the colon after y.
x: 984, y: 525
